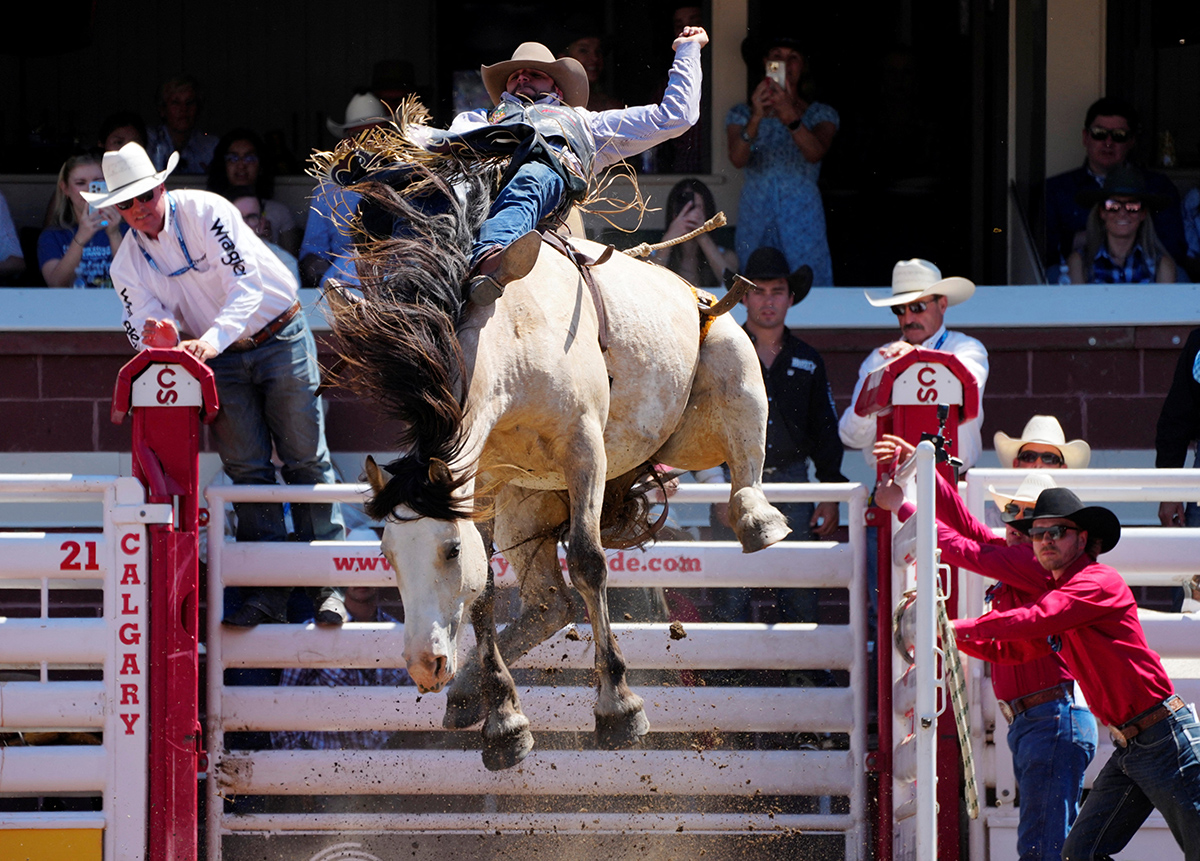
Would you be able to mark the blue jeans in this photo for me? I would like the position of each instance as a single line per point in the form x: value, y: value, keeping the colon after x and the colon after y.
x: 795, y: 605
x: 1158, y: 769
x: 532, y: 194
x: 1052, y: 745
x: 269, y: 397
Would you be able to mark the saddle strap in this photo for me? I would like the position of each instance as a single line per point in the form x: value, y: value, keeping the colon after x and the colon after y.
x: 584, y: 263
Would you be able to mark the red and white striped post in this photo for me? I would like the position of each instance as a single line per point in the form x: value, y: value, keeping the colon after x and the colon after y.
x: 169, y: 393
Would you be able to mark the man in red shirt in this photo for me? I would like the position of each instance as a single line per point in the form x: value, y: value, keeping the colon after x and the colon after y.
x: 1086, y: 612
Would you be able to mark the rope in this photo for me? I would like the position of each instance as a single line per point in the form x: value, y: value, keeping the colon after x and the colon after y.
x: 646, y: 249
x: 956, y: 683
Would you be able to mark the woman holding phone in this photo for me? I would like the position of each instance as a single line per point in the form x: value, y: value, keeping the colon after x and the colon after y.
x: 78, y: 246
x: 779, y: 138
x: 699, y: 261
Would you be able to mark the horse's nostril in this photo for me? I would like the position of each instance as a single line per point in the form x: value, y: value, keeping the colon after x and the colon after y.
x: 439, y: 667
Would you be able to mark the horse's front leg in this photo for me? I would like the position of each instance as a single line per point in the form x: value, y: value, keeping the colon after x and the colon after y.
x: 620, y: 715
x: 506, y: 736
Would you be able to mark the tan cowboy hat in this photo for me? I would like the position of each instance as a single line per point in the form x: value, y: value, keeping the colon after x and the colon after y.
x: 364, y: 109
x: 128, y: 172
x: 568, y: 73
x: 914, y: 279
x: 1036, y: 480
x: 1044, y: 430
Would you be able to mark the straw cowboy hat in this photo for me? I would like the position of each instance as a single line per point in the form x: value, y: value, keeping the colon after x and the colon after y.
x: 915, y: 279
x: 1036, y: 480
x: 568, y: 73
x: 1060, y: 502
x: 767, y: 263
x: 1124, y: 181
x: 128, y: 172
x: 364, y: 109
x: 1043, y: 430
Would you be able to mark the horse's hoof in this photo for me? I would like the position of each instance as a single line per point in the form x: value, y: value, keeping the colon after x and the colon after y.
x: 507, y: 751
x: 615, y: 732
x: 464, y: 713
x: 763, y: 534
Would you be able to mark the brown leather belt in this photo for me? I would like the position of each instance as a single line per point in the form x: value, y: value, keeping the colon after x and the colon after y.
x: 260, y: 337
x: 1011, y: 708
x: 1126, y: 731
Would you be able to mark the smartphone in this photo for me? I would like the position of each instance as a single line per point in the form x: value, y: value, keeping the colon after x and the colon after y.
x: 96, y: 186
x: 776, y: 72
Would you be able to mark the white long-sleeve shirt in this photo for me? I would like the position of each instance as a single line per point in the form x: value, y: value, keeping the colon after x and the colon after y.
x: 236, y: 287
x: 629, y: 131
x: 859, y: 431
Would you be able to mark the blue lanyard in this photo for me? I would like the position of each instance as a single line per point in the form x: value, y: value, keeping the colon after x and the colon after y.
x: 178, y: 235
x: 936, y: 346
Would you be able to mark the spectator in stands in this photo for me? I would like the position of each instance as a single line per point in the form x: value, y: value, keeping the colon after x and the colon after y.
x: 12, y: 260
x: 78, y: 247
x: 919, y: 299
x: 1041, y: 445
x: 191, y: 275
x: 801, y: 423
x: 779, y: 138
x: 239, y: 160
x: 699, y: 261
x: 327, y: 251
x: 393, y: 81
x: 1191, y: 230
x: 120, y: 128
x: 179, y: 104
x: 362, y: 605
x: 584, y: 43
x: 684, y: 153
x: 1179, y: 428
x: 1109, y: 136
x: 1121, y: 246
x: 250, y: 205
x: 1051, y: 735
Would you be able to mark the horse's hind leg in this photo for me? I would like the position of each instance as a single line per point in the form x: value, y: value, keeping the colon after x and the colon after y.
x: 620, y: 713
x: 726, y: 420
x: 506, y: 736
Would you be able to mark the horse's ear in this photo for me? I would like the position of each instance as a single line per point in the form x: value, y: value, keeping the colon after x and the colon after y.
x: 375, y: 475
x: 439, y: 472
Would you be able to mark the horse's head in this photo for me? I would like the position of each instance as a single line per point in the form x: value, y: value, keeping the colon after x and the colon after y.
x: 441, y: 566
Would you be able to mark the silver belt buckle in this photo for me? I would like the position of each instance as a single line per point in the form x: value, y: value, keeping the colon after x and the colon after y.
x: 1006, y: 710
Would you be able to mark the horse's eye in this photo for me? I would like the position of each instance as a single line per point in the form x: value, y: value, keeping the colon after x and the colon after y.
x: 452, y: 550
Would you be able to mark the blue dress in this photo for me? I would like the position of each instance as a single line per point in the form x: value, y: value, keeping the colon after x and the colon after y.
x: 781, y: 204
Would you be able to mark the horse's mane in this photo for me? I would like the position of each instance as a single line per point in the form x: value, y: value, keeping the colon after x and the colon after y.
x: 413, y: 232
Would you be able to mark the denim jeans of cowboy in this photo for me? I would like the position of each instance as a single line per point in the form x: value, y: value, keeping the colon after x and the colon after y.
x: 1158, y: 770
x: 268, y: 398
x: 532, y: 194
x: 1052, y: 745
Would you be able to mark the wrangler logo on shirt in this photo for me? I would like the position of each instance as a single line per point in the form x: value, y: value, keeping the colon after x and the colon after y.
x: 232, y: 257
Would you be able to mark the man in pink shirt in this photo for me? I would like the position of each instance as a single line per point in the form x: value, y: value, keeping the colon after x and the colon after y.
x: 1084, y: 611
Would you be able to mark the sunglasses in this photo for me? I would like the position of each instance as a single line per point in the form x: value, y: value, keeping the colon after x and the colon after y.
x: 1133, y: 207
x: 1051, y: 533
x: 1015, y: 510
x: 146, y: 197
x: 911, y: 308
x: 1099, y: 133
x: 1047, y: 457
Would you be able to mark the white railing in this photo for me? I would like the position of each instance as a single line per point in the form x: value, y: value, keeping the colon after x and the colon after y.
x: 116, y: 707
x: 1146, y: 556
x: 696, y: 772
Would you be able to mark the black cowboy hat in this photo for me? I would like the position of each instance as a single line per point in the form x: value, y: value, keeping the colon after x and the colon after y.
x: 767, y: 262
x: 1060, y: 502
x: 1124, y: 181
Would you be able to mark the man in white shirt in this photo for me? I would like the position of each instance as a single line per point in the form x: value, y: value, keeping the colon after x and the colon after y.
x: 193, y: 275
x: 919, y: 299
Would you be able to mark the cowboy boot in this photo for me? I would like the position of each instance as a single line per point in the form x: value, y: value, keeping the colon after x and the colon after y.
x: 498, y: 269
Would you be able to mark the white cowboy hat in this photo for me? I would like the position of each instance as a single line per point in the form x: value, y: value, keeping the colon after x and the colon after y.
x: 364, y: 109
x: 1044, y: 430
x: 568, y: 73
x: 1036, y: 480
x: 128, y: 172
x: 915, y: 279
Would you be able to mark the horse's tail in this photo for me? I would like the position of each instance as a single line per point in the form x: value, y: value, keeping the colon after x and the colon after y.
x: 398, y: 338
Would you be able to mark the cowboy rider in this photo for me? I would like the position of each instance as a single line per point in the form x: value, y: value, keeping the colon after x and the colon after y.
x: 542, y: 100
